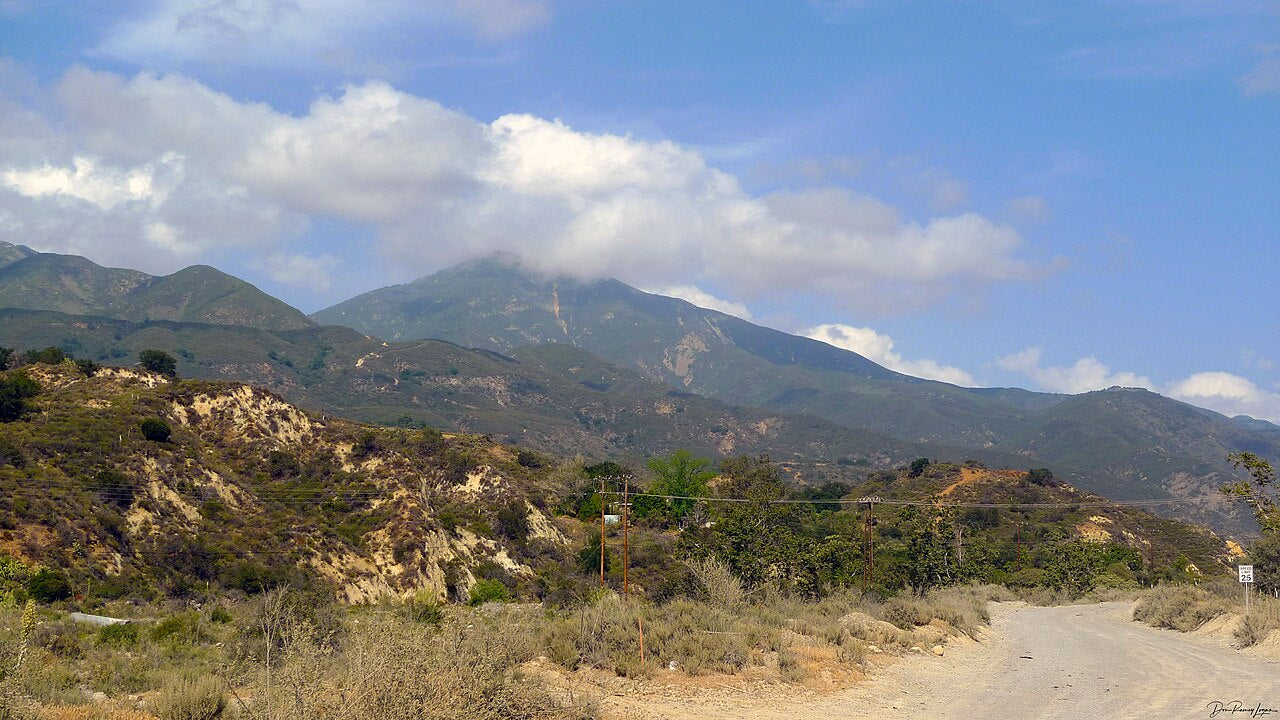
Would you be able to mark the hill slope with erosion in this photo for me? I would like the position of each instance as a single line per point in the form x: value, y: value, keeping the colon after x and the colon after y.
x: 76, y: 285
x: 249, y: 491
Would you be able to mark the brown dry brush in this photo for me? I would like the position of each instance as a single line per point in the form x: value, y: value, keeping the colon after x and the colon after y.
x: 469, y: 669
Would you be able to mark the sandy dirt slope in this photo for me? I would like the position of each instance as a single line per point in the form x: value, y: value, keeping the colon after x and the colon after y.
x: 1072, y: 662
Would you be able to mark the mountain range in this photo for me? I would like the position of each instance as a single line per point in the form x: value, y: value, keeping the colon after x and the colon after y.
x: 601, y: 368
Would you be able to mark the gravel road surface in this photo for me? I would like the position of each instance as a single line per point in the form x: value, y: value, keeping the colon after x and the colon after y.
x: 1070, y: 663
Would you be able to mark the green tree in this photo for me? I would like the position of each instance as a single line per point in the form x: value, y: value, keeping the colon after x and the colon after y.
x: 158, y: 361
x: 6, y: 357
x: 928, y: 551
x: 1255, y: 491
x: 15, y: 391
x: 155, y: 430
x: 49, y: 356
x: 1265, y: 556
x: 681, y: 474
x: 917, y: 467
x: 48, y: 586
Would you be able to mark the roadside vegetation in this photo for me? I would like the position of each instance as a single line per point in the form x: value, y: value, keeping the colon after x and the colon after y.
x: 284, y: 655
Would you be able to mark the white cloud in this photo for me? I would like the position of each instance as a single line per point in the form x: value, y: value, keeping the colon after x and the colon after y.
x: 300, y: 270
x: 104, y: 187
x: 879, y: 348
x: 289, y: 33
x: 1228, y: 394
x: 435, y: 186
x: 696, y: 296
x: 1220, y: 391
x: 1085, y: 375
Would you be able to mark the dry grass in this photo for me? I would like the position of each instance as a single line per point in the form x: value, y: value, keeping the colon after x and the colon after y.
x: 699, y: 638
x: 1179, y: 607
x: 392, y: 670
x: 1186, y: 608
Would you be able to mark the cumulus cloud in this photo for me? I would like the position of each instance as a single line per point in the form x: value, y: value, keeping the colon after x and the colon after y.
x: 300, y: 32
x: 204, y: 171
x: 1220, y: 391
x: 879, y: 348
x: 1228, y: 394
x: 696, y: 296
x: 1084, y: 375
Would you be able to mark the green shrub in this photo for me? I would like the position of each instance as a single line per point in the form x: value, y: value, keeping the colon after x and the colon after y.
x: 15, y: 391
x: 118, y: 636
x: 220, y: 615
x: 158, y: 361
x: 424, y: 608
x: 155, y: 430
x: 201, y: 699
x: 181, y: 629
x: 49, y: 586
x: 485, y: 591
x: 88, y: 367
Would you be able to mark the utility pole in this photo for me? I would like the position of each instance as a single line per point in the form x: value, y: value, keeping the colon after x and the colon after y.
x: 602, y: 548
x: 1017, y: 542
x: 626, y: 522
x: 868, y: 541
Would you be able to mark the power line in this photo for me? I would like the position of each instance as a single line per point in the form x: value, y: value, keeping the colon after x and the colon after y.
x: 935, y: 503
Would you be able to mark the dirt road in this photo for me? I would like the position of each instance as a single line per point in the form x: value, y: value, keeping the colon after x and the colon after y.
x: 1072, y: 662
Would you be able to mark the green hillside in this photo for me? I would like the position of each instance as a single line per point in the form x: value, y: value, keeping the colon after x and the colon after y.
x: 74, y: 285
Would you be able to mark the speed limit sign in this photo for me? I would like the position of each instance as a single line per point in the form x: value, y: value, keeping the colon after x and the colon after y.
x: 1246, y: 573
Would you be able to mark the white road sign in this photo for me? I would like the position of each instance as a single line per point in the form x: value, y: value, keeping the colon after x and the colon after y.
x: 1246, y: 573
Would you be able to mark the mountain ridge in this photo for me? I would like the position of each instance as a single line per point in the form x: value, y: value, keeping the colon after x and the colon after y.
x: 199, y: 293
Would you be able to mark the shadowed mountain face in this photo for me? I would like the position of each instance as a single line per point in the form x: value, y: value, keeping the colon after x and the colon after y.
x: 75, y: 285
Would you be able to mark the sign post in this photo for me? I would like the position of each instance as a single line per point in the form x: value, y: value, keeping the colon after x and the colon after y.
x: 1246, y: 579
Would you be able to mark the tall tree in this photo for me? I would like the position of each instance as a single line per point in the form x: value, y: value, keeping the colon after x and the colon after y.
x: 1257, y: 491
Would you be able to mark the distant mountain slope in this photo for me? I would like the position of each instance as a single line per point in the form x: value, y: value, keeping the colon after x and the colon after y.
x: 75, y: 285
x: 498, y: 305
x: 555, y: 398
x: 1151, y: 446
x: 12, y: 253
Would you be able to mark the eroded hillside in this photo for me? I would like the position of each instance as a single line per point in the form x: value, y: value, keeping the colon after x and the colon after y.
x: 249, y: 490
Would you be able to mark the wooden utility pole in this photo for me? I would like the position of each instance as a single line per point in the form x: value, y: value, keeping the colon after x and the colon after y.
x: 868, y: 542
x: 1017, y: 542
x: 602, y: 532
x: 626, y: 522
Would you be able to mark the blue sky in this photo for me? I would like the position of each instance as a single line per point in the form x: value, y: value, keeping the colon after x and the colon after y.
x: 1060, y: 196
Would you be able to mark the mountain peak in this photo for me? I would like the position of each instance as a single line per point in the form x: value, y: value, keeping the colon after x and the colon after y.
x: 78, y: 286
